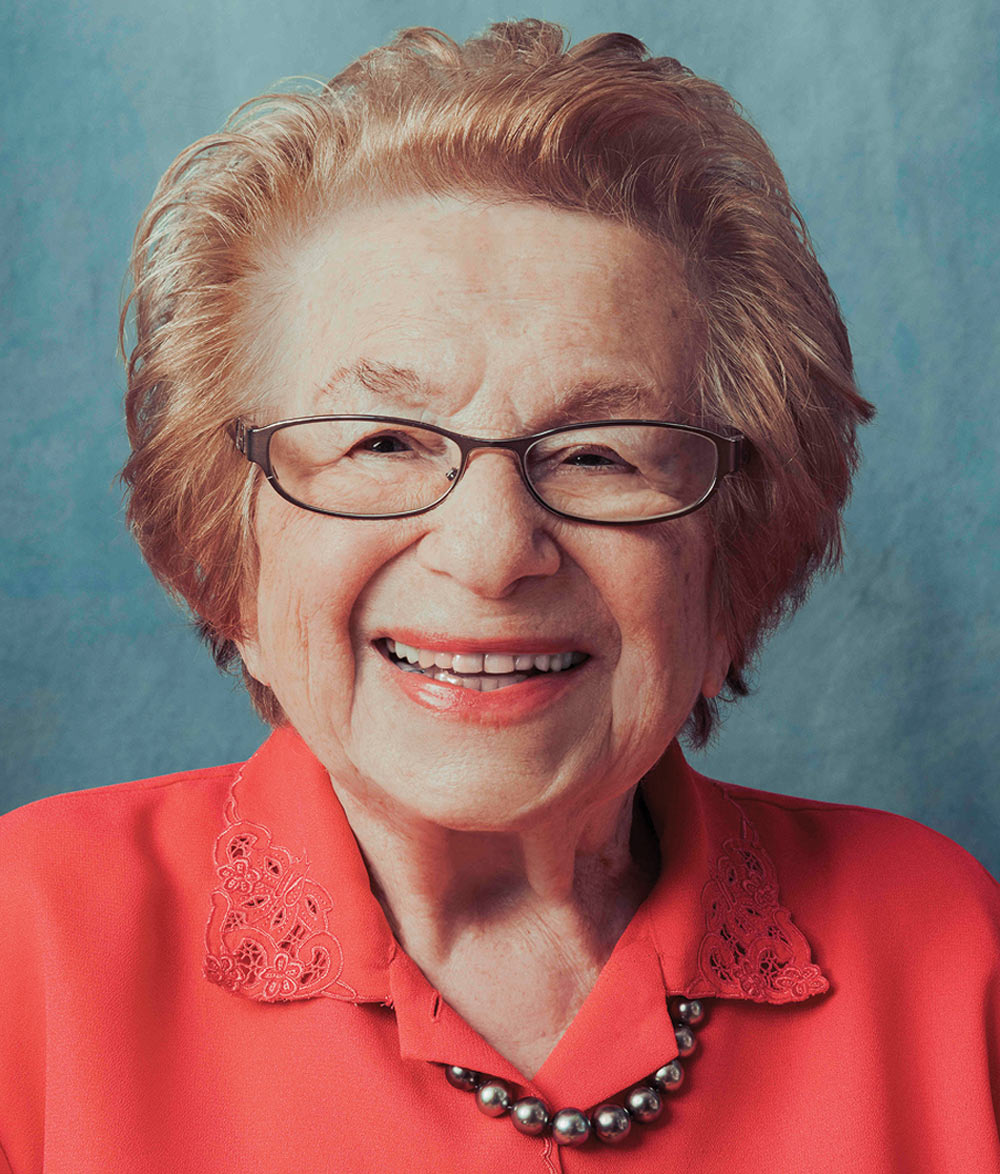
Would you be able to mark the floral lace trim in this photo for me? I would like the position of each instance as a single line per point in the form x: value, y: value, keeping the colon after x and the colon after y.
x: 268, y: 937
x: 751, y: 949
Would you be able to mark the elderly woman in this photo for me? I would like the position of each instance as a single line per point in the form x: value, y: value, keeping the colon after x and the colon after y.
x: 488, y: 405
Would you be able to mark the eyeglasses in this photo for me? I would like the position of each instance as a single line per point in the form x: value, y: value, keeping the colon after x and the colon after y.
x: 609, y: 472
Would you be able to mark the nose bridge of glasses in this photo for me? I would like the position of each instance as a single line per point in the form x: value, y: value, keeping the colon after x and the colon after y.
x: 476, y: 447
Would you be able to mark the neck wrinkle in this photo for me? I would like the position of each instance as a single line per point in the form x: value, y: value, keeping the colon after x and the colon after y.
x: 579, y: 883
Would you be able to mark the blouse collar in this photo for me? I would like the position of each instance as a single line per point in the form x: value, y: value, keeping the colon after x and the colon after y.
x: 293, y: 915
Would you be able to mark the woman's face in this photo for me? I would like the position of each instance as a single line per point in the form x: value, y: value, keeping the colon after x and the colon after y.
x: 493, y: 321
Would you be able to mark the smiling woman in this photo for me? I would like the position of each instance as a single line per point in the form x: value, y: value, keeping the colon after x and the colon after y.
x: 488, y: 407
x: 446, y: 295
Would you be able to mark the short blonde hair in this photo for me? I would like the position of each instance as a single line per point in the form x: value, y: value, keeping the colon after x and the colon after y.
x: 513, y: 114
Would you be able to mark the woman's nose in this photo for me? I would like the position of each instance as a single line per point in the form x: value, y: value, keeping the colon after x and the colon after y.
x: 490, y: 533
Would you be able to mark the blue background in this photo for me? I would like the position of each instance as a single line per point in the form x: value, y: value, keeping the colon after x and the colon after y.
x: 884, y: 116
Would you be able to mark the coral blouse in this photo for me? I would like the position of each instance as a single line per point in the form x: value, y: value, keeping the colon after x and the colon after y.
x: 195, y: 977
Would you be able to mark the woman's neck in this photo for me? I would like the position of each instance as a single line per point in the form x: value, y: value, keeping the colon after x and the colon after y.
x: 512, y: 927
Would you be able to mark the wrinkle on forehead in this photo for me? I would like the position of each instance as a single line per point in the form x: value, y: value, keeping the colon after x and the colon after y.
x: 430, y: 296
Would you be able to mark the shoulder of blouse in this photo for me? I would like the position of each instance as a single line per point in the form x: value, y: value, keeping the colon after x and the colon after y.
x: 66, y: 845
x: 94, y: 809
x: 89, y: 873
x: 861, y: 864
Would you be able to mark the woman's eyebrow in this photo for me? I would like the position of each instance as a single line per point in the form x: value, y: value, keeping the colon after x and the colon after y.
x: 598, y: 398
x: 402, y: 384
x: 608, y: 399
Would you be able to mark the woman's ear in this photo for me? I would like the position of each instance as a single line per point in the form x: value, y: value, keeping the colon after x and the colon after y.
x: 716, y: 668
x: 248, y: 644
x: 253, y: 659
x: 718, y: 657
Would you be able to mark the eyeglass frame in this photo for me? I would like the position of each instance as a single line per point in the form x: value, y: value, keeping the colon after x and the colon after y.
x: 732, y: 454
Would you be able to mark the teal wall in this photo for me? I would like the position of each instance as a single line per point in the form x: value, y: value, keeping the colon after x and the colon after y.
x: 884, y: 117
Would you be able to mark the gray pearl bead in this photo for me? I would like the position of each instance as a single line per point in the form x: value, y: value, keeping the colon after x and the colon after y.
x: 611, y: 1123
x: 644, y: 1103
x: 464, y: 1078
x: 493, y: 1098
x: 690, y: 1012
x: 529, y: 1115
x: 570, y: 1127
x: 685, y: 1040
x: 669, y: 1077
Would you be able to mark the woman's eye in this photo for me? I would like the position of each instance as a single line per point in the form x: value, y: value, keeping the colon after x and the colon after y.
x: 591, y: 459
x: 384, y: 444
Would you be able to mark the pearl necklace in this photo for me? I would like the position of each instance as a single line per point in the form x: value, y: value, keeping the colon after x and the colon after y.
x: 609, y: 1122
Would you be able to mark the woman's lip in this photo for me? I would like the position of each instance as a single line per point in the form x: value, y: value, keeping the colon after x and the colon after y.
x: 438, y: 642
x: 512, y: 703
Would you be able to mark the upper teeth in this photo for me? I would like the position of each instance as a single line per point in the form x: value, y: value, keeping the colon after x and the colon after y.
x: 485, y: 662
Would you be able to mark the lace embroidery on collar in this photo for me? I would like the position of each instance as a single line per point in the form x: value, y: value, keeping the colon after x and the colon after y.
x: 268, y: 936
x: 751, y: 948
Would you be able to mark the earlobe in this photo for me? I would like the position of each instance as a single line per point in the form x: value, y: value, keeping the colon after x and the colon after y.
x: 718, y: 658
x: 716, y: 670
x: 248, y: 641
x: 253, y: 661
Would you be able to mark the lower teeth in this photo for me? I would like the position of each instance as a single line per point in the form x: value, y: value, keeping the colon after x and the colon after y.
x: 481, y: 682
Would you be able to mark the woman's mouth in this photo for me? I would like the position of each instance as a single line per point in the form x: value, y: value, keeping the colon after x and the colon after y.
x: 482, y: 671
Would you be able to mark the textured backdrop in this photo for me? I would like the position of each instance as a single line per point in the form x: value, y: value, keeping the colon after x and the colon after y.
x: 884, y: 116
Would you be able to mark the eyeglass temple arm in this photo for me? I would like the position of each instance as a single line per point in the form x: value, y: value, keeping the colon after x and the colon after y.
x: 734, y: 455
x: 248, y: 441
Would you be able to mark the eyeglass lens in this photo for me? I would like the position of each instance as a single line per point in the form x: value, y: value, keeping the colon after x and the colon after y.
x: 611, y: 472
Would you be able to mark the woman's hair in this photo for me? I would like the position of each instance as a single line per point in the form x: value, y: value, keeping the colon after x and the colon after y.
x: 601, y: 127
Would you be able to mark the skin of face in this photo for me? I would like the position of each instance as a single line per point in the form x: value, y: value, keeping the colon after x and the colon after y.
x: 502, y: 310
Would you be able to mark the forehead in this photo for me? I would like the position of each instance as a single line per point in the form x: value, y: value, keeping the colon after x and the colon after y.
x: 495, y: 311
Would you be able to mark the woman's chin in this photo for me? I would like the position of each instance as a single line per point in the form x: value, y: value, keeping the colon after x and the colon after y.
x: 479, y: 791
